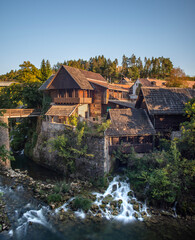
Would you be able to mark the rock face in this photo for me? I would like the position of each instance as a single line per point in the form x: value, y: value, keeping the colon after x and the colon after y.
x: 4, y: 140
x: 85, y: 168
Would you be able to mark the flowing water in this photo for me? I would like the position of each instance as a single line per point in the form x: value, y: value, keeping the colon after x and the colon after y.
x: 31, y: 219
x: 35, y: 171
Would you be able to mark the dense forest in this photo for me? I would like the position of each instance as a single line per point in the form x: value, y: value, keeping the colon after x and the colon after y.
x: 132, y: 67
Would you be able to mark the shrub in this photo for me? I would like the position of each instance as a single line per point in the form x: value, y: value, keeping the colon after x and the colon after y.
x: 82, y: 203
x: 54, y: 198
x: 61, y: 187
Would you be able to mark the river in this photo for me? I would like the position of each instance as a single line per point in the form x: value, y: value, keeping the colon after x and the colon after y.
x: 31, y: 219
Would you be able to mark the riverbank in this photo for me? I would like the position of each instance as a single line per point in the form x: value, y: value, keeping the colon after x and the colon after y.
x: 51, y: 194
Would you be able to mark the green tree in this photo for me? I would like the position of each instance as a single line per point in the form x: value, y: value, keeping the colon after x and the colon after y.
x: 187, y: 141
x: 43, y: 71
x: 28, y: 73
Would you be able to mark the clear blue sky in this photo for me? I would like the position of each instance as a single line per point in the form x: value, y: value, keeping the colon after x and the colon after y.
x: 60, y: 30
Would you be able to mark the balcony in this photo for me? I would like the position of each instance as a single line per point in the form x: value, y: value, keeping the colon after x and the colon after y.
x: 70, y: 100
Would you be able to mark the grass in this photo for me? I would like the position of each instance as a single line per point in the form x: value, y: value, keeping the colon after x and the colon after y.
x: 82, y: 203
x: 54, y: 198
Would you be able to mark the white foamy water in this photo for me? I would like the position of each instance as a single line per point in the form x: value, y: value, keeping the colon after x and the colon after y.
x: 118, y: 203
x: 127, y: 208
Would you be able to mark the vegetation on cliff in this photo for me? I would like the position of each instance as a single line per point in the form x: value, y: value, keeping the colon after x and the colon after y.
x: 166, y: 176
x: 4, y: 153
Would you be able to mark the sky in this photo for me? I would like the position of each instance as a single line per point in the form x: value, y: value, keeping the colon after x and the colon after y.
x: 58, y: 30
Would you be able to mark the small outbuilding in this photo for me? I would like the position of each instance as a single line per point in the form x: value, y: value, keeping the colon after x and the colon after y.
x: 165, y: 106
x: 130, y: 128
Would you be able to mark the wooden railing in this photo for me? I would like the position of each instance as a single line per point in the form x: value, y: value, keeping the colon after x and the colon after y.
x: 70, y: 100
x: 13, y: 113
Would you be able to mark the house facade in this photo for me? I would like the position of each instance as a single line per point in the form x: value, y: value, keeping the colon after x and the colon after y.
x: 165, y: 106
x: 130, y: 128
x: 88, y: 92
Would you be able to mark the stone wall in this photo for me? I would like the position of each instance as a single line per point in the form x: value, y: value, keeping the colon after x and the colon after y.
x: 86, y: 168
x: 4, y: 139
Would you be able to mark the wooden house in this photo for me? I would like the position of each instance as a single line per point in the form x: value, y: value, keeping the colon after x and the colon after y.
x: 87, y: 90
x: 144, y: 82
x: 165, y: 106
x: 130, y: 128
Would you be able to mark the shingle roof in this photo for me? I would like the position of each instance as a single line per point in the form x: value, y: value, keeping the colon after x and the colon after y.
x: 92, y: 75
x: 79, y: 77
x: 190, y: 84
x: 167, y: 100
x: 117, y: 87
x: 145, y: 82
x: 123, y: 103
x: 61, y: 110
x: 129, y: 122
x: 46, y: 83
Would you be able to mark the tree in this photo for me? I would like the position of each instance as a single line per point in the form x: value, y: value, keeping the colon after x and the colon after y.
x: 48, y: 69
x: 187, y: 142
x: 43, y: 71
x: 28, y: 73
x: 177, y: 78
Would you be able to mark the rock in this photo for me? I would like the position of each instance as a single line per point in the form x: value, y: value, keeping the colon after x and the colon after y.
x: 114, y: 203
x: 115, y: 213
x: 120, y: 201
x: 94, y: 207
x: 61, y: 217
x: 107, y: 199
x: 136, y: 207
x: 135, y: 215
x: 133, y: 201
x: 114, y: 188
x: 52, y: 206
x: 168, y: 214
x: 99, y: 215
x: 143, y: 214
x: 72, y: 217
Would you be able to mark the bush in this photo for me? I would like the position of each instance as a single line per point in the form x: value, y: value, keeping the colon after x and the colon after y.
x: 54, y: 198
x: 61, y: 187
x: 101, y: 182
x: 82, y: 203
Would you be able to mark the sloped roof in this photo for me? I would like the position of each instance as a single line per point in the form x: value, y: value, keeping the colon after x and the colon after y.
x: 46, y: 83
x: 167, y: 100
x: 79, y: 77
x: 190, y: 84
x: 117, y: 87
x: 61, y: 110
x: 123, y: 103
x: 92, y: 75
x: 129, y: 122
x: 145, y: 82
x: 157, y: 82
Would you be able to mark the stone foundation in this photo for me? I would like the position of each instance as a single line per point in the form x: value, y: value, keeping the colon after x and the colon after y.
x: 86, y: 168
x: 4, y: 140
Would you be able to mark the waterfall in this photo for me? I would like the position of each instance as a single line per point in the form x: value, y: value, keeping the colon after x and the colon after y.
x: 117, y: 203
x: 120, y: 197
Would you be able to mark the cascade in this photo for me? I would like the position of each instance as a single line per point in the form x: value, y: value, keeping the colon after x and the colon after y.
x: 117, y: 203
